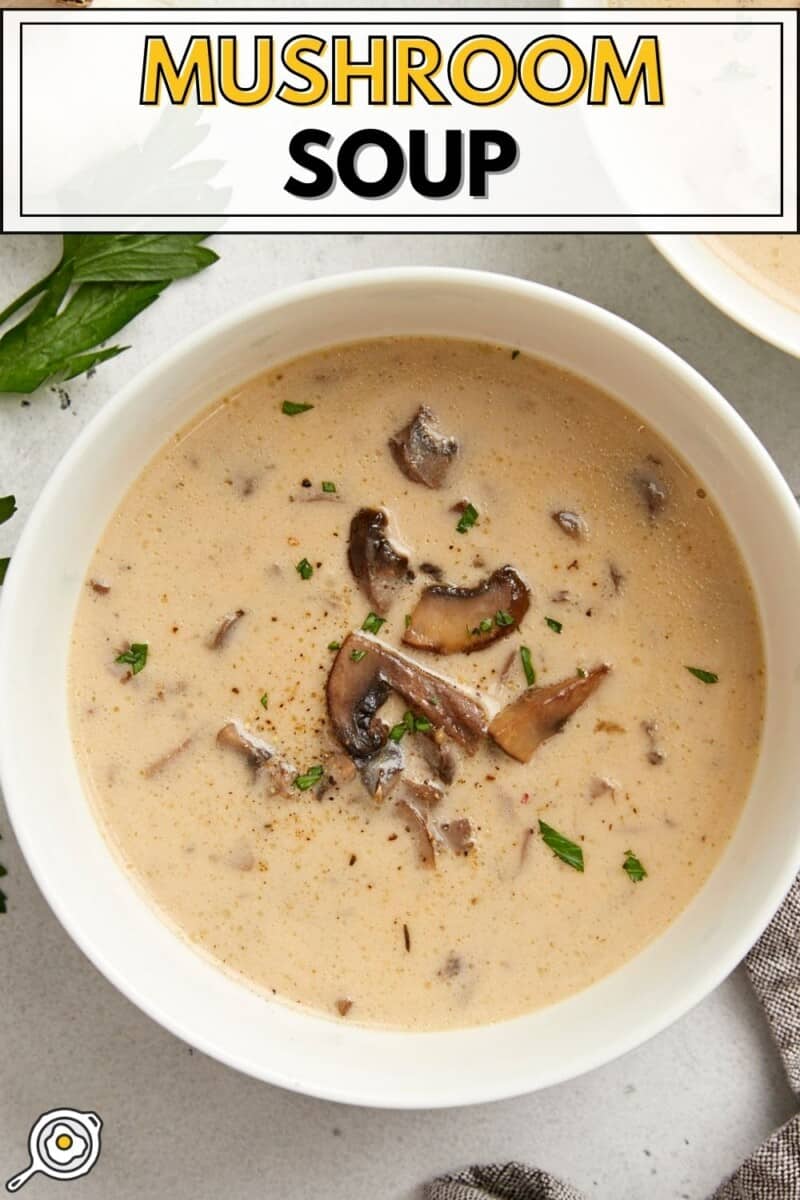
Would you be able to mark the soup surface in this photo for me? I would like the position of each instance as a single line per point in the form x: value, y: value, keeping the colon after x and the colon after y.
x: 499, y: 870
x: 768, y: 261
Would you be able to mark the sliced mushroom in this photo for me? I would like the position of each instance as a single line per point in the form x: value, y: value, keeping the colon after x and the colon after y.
x: 418, y: 823
x: 451, y: 620
x: 382, y: 770
x: 363, y: 674
x: 571, y: 523
x: 428, y: 568
x: 652, y: 490
x: 101, y: 586
x: 220, y: 636
x: 259, y: 756
x: 542, y: 711
x: 458, y: 835
x: 421, y: 451
x: 439, y: 755
x: 379, y: 570
x: 425, y: 792
x: 154, y: 768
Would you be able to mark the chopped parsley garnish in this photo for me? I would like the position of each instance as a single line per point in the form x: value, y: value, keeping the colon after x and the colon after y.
x: 264, y: 701
x: 562, y: 847
x: 527, y: 665
x: 581, y: 673
x: 334, y: 645
x: 134, y: 657
x: 410, y: 723
x: 327, y: 486
x: 467, y: 519
x: 485, y: 625
x: 372, y: 623
x: 312, y: 776
x: 556, y: 626
x: 503, y: 619
x: 634, y: 869
x: 408, y: 620
x: 703, y: 676
x: 292, y: 410
x: 357, y: 655
x: 304, y: 569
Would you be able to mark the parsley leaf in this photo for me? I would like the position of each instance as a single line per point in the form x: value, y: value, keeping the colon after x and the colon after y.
x: 135, y: 657
x: 304, y: 569
x: 312, y: 776
x: 372, y: 623
x: 527, y: 665
x: 703, y: 676
x: 467, y: 519
x: 561, y: 846
x: 290, y: 409
x: 635, y: 871
x: 556, y: 626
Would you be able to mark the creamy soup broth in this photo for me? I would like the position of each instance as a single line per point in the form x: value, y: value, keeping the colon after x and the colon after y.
x: 326, y: 897
x: 769, y: 261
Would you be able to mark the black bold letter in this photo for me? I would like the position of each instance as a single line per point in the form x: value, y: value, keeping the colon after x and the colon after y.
x: 323, y: 179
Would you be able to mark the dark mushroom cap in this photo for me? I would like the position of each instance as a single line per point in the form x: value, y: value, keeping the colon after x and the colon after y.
x: 421, y: 451
x: 378, y: 568
x: 447, y: 620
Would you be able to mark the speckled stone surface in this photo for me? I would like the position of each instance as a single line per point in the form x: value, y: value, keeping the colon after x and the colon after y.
x: 667, y: 1121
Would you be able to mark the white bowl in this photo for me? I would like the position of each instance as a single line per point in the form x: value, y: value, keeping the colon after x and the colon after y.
x: 717, y: 280
x: 106, y: 913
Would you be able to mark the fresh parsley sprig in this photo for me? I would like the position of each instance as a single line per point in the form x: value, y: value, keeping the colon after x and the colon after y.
x: 101, y: 282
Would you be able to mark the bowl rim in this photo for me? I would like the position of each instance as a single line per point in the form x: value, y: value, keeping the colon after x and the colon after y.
x: 716, y: 967
x: 744, y: 302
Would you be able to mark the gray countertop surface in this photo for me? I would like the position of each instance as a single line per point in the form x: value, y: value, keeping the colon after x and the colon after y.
x: 668, y: 1120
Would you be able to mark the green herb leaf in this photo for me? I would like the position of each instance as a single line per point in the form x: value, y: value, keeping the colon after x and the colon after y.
x: 483, y: 627
x: 264, y: 701
x: 312, y: 776
x: 503, y: 619
x: 422, y: 725
x: 527, y: 665
x: 635, y: 870
x: 398, y: 732
x: 135, y: 657
x: 357, y: 655
x: 467, y: 519
x: 53, y: 339
x: 8, y: 506
x: 581, y: 673
x: 556, y: 626
x: 304, y: 569
x: 373, y: 622
x: 407, y: 619
x: 334, y: 645
x: 137, y: 257
x: 703, y: 676
x: 292, y: 410
x: 562, y: 847
x: 3, y: 568
x: 327, y: 486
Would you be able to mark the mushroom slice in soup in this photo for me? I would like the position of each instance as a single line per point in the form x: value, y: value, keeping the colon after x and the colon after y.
x: 378, y: 568
x: 421, y: 451
x: 571, y: 523
x: 363, y: 674
x: 220, y: 635
x: 522, y: 726
x: 453, y: 620
x: 382, y: 770
x: 259, y: 756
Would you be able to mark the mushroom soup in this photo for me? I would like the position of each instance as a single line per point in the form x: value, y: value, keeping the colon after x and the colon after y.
x: 768, y: 261
x: 418, y: 682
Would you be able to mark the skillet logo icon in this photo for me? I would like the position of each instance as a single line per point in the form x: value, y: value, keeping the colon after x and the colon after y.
x: 63, y: 1144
